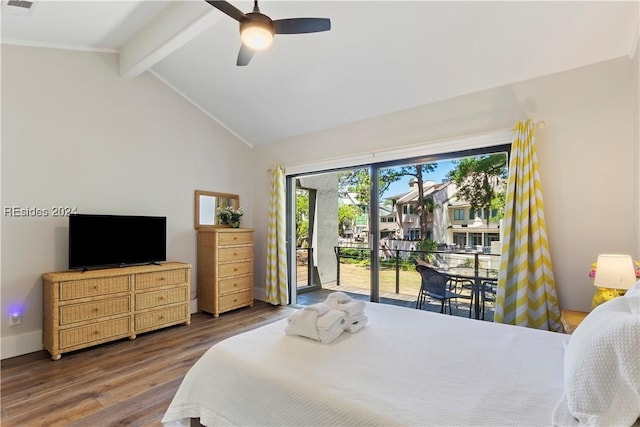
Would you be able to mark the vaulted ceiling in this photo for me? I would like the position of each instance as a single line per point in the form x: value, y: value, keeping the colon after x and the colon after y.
x: 379, y: 57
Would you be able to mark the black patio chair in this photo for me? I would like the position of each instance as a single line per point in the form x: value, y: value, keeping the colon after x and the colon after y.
x: 488, y: 293
x: 434, y: 285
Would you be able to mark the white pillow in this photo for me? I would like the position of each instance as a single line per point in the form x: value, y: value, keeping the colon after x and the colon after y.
x: 602, y: 365
x: 634, y: 290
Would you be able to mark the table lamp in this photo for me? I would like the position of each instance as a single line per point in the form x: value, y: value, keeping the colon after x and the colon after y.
x: 614, y: 275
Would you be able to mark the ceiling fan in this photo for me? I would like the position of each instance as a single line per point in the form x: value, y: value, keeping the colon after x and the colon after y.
x: 257, y: 30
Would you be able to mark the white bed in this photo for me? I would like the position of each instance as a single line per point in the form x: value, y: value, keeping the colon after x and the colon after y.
x: 406, y: 367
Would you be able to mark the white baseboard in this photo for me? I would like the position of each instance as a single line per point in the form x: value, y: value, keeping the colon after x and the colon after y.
x: 18, y: 345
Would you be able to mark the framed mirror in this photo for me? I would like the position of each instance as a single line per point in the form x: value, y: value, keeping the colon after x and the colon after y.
x: 206, y: 203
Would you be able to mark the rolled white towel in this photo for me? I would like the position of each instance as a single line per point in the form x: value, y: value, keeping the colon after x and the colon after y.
x: 337, y: 297
x: 356, y: 324
x: 352, y: 308
x: 341, y: 301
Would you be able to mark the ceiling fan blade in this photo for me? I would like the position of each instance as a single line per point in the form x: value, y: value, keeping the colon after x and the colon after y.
x: 244, y: 55
x: 227, y: 8
x: 301, y: 25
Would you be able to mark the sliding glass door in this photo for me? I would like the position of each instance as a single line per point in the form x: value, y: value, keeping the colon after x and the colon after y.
x: 359, y: 230
x: 331, y: 237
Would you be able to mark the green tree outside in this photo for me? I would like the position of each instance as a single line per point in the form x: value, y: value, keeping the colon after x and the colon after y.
x: 479, y: 181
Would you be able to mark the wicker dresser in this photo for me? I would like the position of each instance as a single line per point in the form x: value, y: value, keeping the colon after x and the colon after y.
x: 225, y: 269
x: 82, y: 309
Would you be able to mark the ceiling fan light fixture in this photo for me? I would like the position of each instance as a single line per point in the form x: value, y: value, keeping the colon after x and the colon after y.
x: 256, y: 35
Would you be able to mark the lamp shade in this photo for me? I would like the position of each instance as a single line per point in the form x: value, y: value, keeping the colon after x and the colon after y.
x: 256, y: 34
x: 614, y: 271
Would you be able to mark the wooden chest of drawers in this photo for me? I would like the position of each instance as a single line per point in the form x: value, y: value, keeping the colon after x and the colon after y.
x: 225, y: 269
x: 82, y: 309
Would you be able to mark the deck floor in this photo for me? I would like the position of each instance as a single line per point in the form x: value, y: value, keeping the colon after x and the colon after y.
x: 458, y: 308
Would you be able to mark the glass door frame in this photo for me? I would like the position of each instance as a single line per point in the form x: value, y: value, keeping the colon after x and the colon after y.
x: 374, y: 209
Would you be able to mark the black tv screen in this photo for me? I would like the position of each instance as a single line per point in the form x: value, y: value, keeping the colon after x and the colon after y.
x: 116, y: 240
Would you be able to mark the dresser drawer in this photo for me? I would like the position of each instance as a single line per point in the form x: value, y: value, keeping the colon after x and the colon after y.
x: 161, y: 278
x: 228, y: 302
x: 235, y: 284
x: 152, y: 319
x: 85, y: 334
x: 159, y: 298
x: 92, y: 287
x: 235, y: 253
x: 240, y: 238
x: 235, y: 268
x: 74, y: 313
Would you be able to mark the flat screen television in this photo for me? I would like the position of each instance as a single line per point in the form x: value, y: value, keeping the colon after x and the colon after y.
x: 100, y: 241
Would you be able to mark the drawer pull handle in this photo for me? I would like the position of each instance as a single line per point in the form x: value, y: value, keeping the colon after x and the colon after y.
x: 235, y: 284
x: 235, y: 238
x: 96, y: 332
x: 235, y: 300
x: 97, y: 288
x: 235, y: 268
x: 160, y: 279
x: 97, y: 309
x: 235, y: 254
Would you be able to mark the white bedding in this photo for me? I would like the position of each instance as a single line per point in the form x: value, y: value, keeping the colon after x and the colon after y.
x: 406, y: 367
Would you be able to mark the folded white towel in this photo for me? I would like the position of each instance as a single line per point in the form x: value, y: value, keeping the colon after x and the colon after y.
x: 317, y: 322
x: 327, y: 335
x: 330, y: 320
x: 304, y: 323
x: 355, y: 325
x: 341, y: 301
x: 320, y: 308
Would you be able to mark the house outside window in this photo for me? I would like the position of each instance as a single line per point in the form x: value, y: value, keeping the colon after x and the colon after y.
x: 409, y: 209
x: 475, y: 239
x: 460, y: 239
x: 414, y: 234
x: 458, y: 215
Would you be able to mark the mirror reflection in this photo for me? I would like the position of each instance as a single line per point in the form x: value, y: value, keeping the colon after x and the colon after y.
x: 206, y: 203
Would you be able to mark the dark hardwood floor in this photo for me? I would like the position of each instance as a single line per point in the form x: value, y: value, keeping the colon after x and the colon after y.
x: 123, y: 383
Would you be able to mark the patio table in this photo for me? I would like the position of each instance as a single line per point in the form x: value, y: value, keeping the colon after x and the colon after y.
x: 480, y: 278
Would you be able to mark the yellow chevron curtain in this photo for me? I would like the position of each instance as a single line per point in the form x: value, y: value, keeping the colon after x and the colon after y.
x: 276, y: 292
x: 526, y: 294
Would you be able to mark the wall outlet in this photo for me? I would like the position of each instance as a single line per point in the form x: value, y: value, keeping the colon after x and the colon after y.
x: 15, y: 319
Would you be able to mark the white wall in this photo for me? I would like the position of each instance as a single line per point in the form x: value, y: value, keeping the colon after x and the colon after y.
x: 587, y: 154
x: 76, y: 134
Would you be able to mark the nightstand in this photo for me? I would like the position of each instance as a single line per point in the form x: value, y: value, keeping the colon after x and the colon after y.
x: 571, y: 319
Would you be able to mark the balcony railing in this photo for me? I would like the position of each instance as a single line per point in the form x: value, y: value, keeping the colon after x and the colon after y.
x: 480, y: 268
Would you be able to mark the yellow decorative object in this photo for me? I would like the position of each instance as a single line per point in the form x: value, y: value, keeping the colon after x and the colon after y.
x: 612, y: 275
